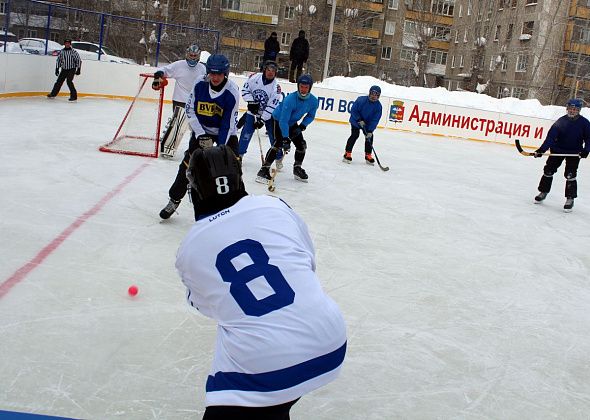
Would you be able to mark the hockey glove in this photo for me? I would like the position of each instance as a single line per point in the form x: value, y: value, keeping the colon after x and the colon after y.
x: 57, y: 72
x: 159, y: 74
x: 259, y: 123
x: 205, y: 141
x: 584, y: 154
x: 253, y: 107
x: 362, y: 124
x: 156, y: 84
x: 538, y: 153
x: 78, y: 71
x: 241, y: 121
x: 286, y: 145
x: 369, y: 135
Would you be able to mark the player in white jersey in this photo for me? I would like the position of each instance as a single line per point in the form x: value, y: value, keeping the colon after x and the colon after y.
x: 186, y: 73
x: 262, y: 93
x: 279, y: 335
x: 212, y: 111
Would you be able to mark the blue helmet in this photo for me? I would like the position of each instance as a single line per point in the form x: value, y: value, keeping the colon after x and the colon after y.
x: 304, y: 79
x: 576, y: 103
x: 218, y: 64
x: 375, y: 88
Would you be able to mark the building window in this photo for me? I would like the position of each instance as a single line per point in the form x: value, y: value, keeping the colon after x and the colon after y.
x: 504, y: 64
x: 285, y: 38
x: 54, y: 36
x: 443, y: 7
x: 206, y: 4
x: 289, y: 12
x: 460, y: 10
x: 521, y: 63
x: 509, y: 33
x: 437, y: 57
x: 527, y: 28
x: 258, y: 61
x: 393, y: 4
x: 182, y: 4
x: 261, y: 34
x: 514, y: 4
x: 469, y: 8
x: 461, y: 62
x: 453, y: 62
x: 31, y: 33
x: 409, y: 27
x: 497, y: 34
x: 407, y: 54
x: 442, y: 33
x: 230, y: 4
x: 531, y: 2
x: 386, y: 53
x: 584, y: 35
x: 2, y: 8
x: 465, y: 36
x: 389, y: 27
x: 519, y: 93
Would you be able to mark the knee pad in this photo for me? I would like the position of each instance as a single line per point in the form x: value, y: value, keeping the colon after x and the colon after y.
x: 303, y: 145
x: 570, y: 177
x: 548, y: 173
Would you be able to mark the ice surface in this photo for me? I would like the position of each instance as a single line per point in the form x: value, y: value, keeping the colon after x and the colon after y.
x: 462, y: 298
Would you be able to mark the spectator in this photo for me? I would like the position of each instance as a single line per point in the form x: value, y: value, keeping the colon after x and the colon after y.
x: 70, y: 63
x: 271, y: 49
x: 298, y: 55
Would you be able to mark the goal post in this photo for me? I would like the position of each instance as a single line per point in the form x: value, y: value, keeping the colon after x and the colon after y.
x: 139, y: 131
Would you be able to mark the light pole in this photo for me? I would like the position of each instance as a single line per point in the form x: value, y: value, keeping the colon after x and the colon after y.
x: 329, y: 47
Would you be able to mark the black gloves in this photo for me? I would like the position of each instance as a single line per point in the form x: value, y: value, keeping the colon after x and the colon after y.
x: 302, y: 127
x: 159, y: 74
x: 205, y: 141
x: 241, y: 121
x: 78, y: 71
x: 584, y: 154
x: 538, y: 153
x: 286, y: 144
x: 297, y: 129
x: 57, y: 72
x: 253, y: 107
x: 258, y: 123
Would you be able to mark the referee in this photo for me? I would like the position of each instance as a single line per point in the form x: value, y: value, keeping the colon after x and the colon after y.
x: 70, y: 63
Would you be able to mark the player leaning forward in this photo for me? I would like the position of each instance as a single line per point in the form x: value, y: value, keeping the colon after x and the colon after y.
x: 186, y: 73
x: 302, y: 106
x: 279, y: 335
x: 211, y: 110
x: 570, y: 134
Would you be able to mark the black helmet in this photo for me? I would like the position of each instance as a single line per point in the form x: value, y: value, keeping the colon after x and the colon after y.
x: 216, y: 175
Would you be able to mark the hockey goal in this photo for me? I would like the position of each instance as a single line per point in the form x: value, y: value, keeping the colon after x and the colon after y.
x: 139, y: 132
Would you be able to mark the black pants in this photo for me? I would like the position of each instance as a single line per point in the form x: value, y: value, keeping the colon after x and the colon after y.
x: 68, y: 76
x: 570, y: 172
x: 298, y: 142
x: 354, y: 135
x: 228, y: 412
x: 295, y: 65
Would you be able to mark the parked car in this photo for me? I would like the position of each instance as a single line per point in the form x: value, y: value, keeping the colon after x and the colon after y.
x: 12, y: 47
x: 90, y: 51
x: 37, y: 46
x: 7, y: 36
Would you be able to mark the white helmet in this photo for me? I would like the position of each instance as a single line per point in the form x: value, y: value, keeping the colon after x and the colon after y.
x: 193, y: 54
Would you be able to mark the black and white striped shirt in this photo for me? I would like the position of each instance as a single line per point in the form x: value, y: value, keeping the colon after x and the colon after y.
x: 67, y: 59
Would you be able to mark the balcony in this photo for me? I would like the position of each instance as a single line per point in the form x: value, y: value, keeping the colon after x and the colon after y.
x: 250, y: 11
x: 250, y: 44
x: 362, y: 58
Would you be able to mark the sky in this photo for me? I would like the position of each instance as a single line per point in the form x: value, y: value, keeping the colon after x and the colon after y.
x: 462, y: 298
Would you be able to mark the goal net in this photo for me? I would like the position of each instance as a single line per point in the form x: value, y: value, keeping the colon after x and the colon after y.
x: 139, y: 132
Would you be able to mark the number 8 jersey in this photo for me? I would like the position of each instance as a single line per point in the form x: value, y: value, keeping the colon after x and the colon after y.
x: 251, y: 267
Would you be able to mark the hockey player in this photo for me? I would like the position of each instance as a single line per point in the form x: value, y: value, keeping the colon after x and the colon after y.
x: 280, y: 336
x: 297, y: 106
x: 186, y: 72
x: 263, y: 94
x: 570, y: 134
x: 364, y: 115
x: 211, y: 110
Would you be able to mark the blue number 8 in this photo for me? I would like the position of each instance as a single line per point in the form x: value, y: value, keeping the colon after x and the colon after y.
x: 283, y: 294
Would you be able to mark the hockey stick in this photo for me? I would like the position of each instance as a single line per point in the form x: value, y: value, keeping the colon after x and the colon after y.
x: 260, y: 146
x: 383, y: 168
x: 524, y: 153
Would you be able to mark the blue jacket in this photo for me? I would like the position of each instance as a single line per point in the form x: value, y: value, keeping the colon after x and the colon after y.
x: 292, y: 109
x: 568, y: 136
x: 369, y: 112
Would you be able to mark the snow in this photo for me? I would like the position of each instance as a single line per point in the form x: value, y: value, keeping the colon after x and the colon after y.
x: 462, y: 298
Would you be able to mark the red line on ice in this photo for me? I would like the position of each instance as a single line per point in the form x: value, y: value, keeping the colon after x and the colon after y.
x: 22, y: 272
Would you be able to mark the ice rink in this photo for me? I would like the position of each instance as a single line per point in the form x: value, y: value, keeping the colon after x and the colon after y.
x: 463, y: 299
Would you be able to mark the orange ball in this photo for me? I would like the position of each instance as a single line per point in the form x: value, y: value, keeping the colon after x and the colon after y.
x: 133, y: 290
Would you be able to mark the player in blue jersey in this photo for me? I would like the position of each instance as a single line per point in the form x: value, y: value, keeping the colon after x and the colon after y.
x: 211, y: 110
x: 364, y: 115
x: 297, y: 106
x: 570, y: 134
x: 279, y: 335
x: 263, y: 94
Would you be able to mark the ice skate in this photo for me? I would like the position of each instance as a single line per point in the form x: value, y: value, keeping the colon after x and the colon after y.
x: 347, y: 158
x: 299, y: 173
x: 569, y: 205
x: 170, y: 208
x: 369, y: 159
x: 539, y: 198
x: 263, y: 175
